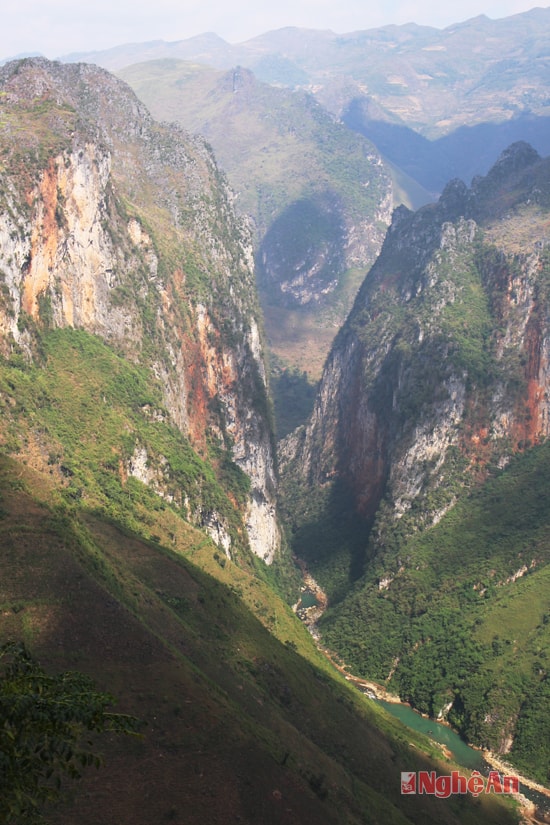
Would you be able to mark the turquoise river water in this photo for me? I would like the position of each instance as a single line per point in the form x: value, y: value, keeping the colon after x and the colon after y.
x: 462, y: 753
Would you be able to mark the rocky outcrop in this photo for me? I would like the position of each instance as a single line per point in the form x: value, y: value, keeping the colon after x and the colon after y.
x: 124, y: 228
x: 443, y: 362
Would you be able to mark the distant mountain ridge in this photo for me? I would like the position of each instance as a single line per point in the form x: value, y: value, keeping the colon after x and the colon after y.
x: 429, y: 80
x: 489, y: 69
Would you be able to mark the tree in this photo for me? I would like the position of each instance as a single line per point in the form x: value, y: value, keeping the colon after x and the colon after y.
x: 43, y: 720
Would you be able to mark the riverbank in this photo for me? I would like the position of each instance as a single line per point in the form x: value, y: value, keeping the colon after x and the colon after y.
x: 311, y: 615
x: 496, y: 762
x: 530, y: 812
x: 371, y: 689
x: 533, y: 814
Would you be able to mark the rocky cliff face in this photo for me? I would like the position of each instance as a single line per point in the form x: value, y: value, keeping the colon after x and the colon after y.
x: 417, y: 492
x: 444, y: 358
x: 308, y: 248
x: 319, y: 196
x: 124, y: 228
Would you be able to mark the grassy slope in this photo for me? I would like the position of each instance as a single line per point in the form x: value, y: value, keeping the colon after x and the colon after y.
x: 464, y: 628
x: 236, y: 723
x: 54, y: 414
x: 243, y: 718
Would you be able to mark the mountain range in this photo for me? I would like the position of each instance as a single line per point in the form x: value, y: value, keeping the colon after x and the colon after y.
x: 430, y: 80
x: 432, y: 104
x: 154, y: 307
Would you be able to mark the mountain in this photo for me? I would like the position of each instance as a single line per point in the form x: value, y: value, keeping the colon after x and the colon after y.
x: 432, y: 81
x: 319, y: 196
x: 136, y: 483
x: 116, y: 226
x: 436, y: 104
x: 418, y: 490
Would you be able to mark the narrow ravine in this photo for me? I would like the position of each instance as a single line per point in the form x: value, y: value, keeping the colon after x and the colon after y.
x: 310, y: 615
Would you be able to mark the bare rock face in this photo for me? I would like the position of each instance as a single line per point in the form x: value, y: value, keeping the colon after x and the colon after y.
x: 306, y: 250
x: 124, y: 228
x: 444, y: 358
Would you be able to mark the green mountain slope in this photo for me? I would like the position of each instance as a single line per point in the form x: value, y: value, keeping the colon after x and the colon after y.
x: 468, y: 622
x: 88, y: 428
x: 242, y: 717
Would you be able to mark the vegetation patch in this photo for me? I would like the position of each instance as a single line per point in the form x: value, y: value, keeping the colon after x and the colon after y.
x: 84, y: 413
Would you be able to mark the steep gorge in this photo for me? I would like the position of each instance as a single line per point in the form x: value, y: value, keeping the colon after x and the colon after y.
x: 319, y: 196
x: 134, y: 417
x: 447, y: 343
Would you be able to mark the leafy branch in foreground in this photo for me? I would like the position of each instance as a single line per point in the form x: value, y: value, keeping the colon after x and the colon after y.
x: 42, y: 723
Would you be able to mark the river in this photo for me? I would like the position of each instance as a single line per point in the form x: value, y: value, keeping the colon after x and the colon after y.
x: 310, y: 608
x: 462, y: 753
x: 457, y: 747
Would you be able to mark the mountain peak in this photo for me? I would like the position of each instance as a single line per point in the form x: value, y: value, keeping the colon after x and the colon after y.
x: 515, y: 158
x: 509, y: 174
x: 454, y: 198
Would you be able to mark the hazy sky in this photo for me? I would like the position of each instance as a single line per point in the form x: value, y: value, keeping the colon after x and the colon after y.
x: 57, y: 27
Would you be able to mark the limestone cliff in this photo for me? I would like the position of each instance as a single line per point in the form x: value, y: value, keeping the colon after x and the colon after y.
x: 114, y: 224
x: 418, y: 491
x: 445, y: 355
